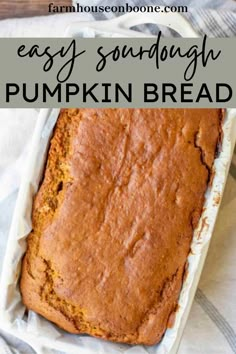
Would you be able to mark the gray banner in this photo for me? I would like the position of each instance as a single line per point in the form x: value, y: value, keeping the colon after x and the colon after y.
x: 120, y: 72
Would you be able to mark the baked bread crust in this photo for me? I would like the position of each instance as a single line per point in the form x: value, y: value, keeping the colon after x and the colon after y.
x: 113, y: 219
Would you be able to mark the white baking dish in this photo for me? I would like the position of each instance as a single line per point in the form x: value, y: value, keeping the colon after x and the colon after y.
x: 35, y: 330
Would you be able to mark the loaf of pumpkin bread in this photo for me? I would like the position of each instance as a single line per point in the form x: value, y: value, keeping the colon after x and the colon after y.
x: 113, y: 220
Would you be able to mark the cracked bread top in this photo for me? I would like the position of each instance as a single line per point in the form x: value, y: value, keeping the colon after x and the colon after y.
x: 113, y: 220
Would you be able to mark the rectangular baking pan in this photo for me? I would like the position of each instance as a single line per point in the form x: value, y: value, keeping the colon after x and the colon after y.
x: 34, y: 329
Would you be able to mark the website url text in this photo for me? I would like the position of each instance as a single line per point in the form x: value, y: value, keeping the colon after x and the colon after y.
x: 115, y: 9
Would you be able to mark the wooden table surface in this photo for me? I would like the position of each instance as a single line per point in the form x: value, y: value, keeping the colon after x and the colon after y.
x: 24, y: 8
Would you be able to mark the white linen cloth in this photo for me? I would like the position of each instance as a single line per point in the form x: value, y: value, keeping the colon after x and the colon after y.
x: 211, y: 327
